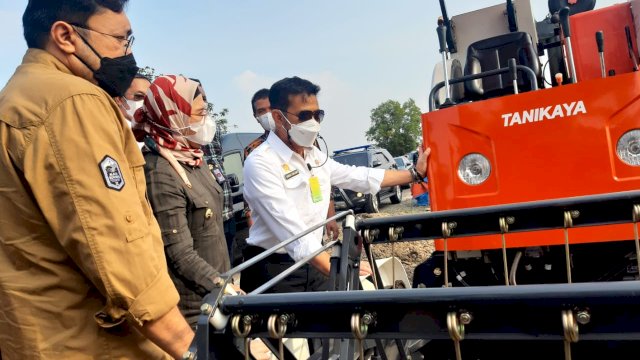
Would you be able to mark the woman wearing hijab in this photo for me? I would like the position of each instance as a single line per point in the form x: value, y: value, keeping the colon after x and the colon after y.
x: 186, y: 200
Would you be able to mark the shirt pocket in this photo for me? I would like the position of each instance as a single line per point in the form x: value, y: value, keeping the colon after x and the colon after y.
x: 295, y: 183
x: 173, y: 225
x: 201, y: 215
x: 136, y: 227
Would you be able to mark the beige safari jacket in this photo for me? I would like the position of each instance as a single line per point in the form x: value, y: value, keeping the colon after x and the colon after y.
x: 80, y: 251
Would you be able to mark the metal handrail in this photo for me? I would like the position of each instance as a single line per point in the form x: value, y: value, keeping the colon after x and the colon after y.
x: 291, y: 269
x: 272, y: 250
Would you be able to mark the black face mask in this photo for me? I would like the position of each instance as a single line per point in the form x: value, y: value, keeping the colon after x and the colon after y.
x: 114, y: 74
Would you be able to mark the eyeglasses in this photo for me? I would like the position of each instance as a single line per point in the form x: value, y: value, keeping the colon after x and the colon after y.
x: 202, y: 114
x: 305, y: 115
x: 127, y: 40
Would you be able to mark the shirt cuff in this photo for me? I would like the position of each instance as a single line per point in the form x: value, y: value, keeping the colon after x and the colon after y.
x: 375, y: 178
x: 155, y: 301
x: 305, y: 246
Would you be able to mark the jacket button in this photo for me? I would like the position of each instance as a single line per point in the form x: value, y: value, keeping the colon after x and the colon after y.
x: 208, y: 214
x: 129, y: 218
x: 174, y: 231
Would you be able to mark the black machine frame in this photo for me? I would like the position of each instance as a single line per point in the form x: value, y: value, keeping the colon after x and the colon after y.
x: 602, y: 311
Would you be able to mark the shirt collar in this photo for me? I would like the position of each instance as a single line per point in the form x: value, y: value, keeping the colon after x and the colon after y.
x: 279, y: 146
x: 42, y: 57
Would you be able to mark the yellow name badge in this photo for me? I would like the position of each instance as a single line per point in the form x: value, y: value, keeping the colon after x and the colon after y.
x: 314, y: 184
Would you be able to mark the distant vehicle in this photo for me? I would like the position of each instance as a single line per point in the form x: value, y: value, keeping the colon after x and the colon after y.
x: 233, y: 145
x: 403, y: 163
x: 369, y: 156
x: 412, y: 156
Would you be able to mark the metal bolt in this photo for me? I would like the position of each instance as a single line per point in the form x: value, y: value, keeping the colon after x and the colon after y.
x: 575, y: 214
x: 206, y: 308
x: 437, y: 271
x: 284, y: 318
x: 465, y: 318
x: 510, y: 220
x: 247, y: 319
x: 528, y: 267
x: 452, y: 225
x: 367, y: 319
x: 583, y: 317
x: 188, y: 356
x: 218, y: 282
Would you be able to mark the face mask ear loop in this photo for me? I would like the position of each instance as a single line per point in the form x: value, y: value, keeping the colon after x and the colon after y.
x: 288, y: 136
x: 326, y: 149
x: 90, y: 47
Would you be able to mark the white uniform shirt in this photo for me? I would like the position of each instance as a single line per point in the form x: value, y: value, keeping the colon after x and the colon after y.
x: 276, y: 186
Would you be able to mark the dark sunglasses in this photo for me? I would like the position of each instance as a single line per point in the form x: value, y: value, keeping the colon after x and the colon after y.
x: 305, y: 115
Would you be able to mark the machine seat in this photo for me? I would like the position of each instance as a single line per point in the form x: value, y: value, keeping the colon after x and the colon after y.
x: 494, y: 53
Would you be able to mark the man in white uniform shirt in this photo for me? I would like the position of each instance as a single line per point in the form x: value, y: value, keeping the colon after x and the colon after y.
x: 287, y: 183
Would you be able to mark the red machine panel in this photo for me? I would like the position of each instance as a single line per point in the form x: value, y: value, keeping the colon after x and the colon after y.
x: 612, y: 21
x: 547, y: 144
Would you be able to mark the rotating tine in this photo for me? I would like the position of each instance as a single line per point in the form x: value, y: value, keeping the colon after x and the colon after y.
x: 446, y: 233
x: 504, y: 229
x: 636, y: 218
x: 242, y: 333
x: 360, y: 329
x: 277, y: 327
x: 393, y: 237
x: 456, y: 331
x: 568, y: 223
x: 571, y: 332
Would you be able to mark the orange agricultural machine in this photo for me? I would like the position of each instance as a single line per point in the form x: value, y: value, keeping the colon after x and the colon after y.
x: 534, y: 181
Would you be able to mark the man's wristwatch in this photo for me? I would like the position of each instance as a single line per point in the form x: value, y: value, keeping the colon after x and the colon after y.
x: 416, y: 176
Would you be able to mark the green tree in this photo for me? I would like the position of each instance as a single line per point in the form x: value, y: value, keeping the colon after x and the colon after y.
x: 396, y: 127
x: 148, y: 72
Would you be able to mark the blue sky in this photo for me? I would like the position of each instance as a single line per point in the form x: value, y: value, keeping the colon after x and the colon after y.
x: 360, y: 52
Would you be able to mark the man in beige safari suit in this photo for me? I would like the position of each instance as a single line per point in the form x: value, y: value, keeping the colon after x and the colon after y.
x: 82, y: 268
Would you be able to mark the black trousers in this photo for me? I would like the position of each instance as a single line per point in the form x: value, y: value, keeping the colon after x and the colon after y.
x: 306, y: 278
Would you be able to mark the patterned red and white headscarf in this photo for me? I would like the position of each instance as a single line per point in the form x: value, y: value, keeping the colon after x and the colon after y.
x: 168, y: 106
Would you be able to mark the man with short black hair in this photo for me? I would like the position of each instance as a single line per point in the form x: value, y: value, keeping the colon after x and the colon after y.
x: 262, y: 113
x: 82, y: 267
x: 287, y: 183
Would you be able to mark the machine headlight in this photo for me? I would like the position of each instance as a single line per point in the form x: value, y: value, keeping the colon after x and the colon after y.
x: 474, y: 169
x: 628, y: 148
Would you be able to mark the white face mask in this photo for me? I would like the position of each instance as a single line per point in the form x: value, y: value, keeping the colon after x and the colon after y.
x: 204, y: 131
x: 304, y: 133
x: 133, y: 106
x: 266, y: 121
